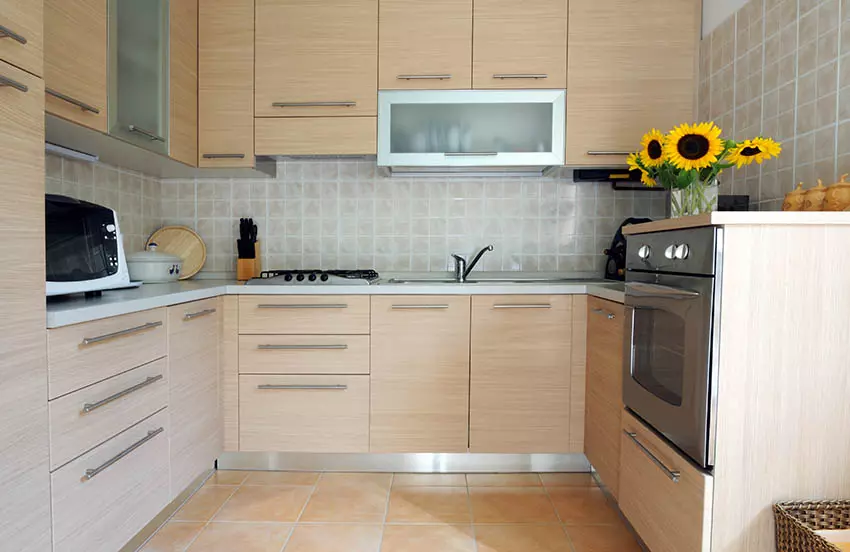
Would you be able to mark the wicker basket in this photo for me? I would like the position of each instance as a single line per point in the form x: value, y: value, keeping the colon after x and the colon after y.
x: 797, y: 521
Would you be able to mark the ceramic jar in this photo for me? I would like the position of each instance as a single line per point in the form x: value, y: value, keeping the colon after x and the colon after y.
x: 813, y: 199
x: 838, y: 196
x: 794, y: 199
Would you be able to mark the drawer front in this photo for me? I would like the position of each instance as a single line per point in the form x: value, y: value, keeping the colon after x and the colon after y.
x: 304, y: 314
x: 100, y: 513
x: 22, y: 42
x: 298, y: 354
x: 316, y: 136
x: 193, y: 327
x: 304, y: 413
x: 83, y: 354
x: 659, y: 489
x: 85, y: 418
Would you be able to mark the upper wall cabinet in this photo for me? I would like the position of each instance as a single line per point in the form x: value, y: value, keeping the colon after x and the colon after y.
x: 316, y: 58
x: 75, y: 61
x: 183, y: 81
x: 425, y: 45
x: 521, y: 44
x: 632, y: 67
x: 21, y: 32
x: 226, y: 83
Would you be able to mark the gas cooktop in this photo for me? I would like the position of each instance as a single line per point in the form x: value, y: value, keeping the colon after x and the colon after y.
x: 314, y: 277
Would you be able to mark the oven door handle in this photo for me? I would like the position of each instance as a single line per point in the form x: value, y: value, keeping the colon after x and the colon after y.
x: 629, y: 345
x: 640, y: 289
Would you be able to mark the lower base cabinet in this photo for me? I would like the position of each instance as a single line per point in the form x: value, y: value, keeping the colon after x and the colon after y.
x: 665, y: 498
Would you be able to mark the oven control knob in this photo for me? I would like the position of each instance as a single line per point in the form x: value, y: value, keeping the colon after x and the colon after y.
x: 287, y: 277
x: 644, y: 252
x: 312, y: 277
x: 300, y: 277
x: 681, y: 252
x: 670, y: 252
x: 323, y: 277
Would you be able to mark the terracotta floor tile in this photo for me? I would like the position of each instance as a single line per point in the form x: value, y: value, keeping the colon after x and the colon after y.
x: 429, y: 505
x: 511, y: 505
x: 354, y: 500
x: 429, y: 480
x: 335, y: 538
x: 282, y: 478
x: 603, y: 538
x: 228, y: 477
x: 567, y: 480
x: 503, y: 480
x: 356, y: 480
x: 428, y: 538
x: 175, y: 536
x: 521, y: 538
x: 577, y: 506
x: 204, y: 504
x: 241, y: 537
x: 271, y: 503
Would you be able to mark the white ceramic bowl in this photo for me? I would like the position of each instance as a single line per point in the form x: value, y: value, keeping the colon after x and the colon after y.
x: 152, y: 266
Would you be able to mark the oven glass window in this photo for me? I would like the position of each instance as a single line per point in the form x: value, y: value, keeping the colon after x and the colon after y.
x: 659, y: 364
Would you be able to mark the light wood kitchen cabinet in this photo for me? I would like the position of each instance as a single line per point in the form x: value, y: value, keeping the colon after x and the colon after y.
x: 519, y: 44
x: 226, y: 83
x: 520, y: 374
x: 24, y: 470
x: 316, y: 51
x: 616, y: 90
x: 304, y: 314
x: 317, y: 136
x: 183, y: 81
x: 604, y: 396
x: 22, y: 34
x: 420, y: 374
x: 304, y: 354
x: 75, y: 61
x: 425, y: 45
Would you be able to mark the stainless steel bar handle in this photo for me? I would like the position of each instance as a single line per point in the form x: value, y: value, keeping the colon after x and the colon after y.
x: 224, y: 156
x: 322, y: 306
x: 149, y: 134
x: 674, y: 476
x: 423, y: 77
x: 521, y: 76
x: 608, y: 153
x: 121, y: 333
x: 303, y: 387
x: 193, y: 315
x: 73, y: 101
x: 314, y: 104
x: 302, y: 347
x: 609, y: 315
x: 90, y: 474
x: 525, y: 306
x: 418, y: 307
x: 6, y: 81
x: 88, y: 407
x: 471, y: 153
x: 6, y: 32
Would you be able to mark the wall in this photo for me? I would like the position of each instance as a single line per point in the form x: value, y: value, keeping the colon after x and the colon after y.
x: 715, y: 12
x: 781, y: 68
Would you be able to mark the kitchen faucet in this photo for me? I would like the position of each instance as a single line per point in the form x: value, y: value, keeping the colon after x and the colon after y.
x: 463, y: 268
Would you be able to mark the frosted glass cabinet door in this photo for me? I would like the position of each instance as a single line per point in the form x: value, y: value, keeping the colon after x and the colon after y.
x: 471, y: 128
x: 138, y: 95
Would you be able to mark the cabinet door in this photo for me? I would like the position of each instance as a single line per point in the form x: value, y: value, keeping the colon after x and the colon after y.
x: 420, y: 374
x: 425, y: 45
x: 520, y: 44
x: 24, y: 481
x: 21, y: 34
x: 226, y: 83
x: 183, y: 81
x: 75, y: 61
x: 316, y: 52
x: 604, y: 398
x: 520, y: 374
x: 632, y: 67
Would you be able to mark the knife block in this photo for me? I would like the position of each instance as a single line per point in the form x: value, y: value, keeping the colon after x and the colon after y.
x: 249, y: 268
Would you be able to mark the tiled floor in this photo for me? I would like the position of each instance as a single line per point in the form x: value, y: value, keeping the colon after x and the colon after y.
x: 349, y: 512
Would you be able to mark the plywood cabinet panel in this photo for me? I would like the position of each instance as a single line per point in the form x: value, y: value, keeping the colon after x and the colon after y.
x: 183, y: 81
x: 428, y: 41
x: 520, y: 44
x: 25, y: 20
x: 304, y: 314
x: 302, y: 354
x: 317, y: 136
x: 75, y: 47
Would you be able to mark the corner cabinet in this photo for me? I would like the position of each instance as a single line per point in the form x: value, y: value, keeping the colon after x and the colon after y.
x: 632, y: 67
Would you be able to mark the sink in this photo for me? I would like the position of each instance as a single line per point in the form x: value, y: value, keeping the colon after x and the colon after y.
x: 421, y: 281
x: 485, y: 281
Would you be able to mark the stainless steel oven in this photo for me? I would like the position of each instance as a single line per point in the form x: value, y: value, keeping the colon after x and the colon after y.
x: 669, y: 369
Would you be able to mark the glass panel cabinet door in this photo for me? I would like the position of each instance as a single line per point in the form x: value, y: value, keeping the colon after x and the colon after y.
x: 138, y: 98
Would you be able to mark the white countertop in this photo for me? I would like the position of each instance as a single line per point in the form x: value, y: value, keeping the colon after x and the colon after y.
x: 64, y: 311
x: 743, y: 218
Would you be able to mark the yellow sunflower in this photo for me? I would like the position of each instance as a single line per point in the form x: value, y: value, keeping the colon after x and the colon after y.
x: 652, y: 148
x: 632, y: 161
x: 689, y: 147
x: 757, y: 149
x: 647, y: 180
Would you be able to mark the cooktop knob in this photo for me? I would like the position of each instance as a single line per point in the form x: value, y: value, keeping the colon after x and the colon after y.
x: 300, y: 277
x: 323, y: 277
x: 670, y: 252
x: 681, y: 252
x: 287, y: 277
x: 644, y: 252
x: 312, y: 277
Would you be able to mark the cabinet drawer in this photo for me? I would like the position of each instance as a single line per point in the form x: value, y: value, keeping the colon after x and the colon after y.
x: 86, y: 353
x: 659, y: 489
x: 304, y: 413
x: 193, y: 328
x: 85, y: 418
x: 304, y: 314
x: 317, y: 136
x: 298, y: 354
x: 102, y: 511
x: 22, y: 42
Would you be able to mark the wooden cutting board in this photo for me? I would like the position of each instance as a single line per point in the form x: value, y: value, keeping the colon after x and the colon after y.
x: 183, y: 242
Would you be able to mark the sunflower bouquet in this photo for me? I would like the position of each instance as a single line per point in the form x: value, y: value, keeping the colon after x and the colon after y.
x: 689, y: 159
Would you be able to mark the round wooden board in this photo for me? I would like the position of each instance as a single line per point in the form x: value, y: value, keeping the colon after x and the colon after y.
x: 183, y: 242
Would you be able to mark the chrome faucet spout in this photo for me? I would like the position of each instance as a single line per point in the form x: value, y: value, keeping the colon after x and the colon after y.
x: 471, y: 264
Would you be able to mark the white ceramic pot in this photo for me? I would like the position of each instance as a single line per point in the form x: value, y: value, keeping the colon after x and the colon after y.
x: 151, y: 266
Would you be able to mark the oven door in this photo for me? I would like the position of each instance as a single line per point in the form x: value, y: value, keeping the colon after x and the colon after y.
x: 667, y: 360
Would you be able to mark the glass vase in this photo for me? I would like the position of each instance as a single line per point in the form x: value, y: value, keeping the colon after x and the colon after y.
x: 700, y: 197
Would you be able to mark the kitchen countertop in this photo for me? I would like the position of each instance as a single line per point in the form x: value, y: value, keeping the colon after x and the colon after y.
x: 742, y: 218
x: 64, y: 311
